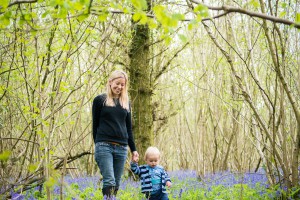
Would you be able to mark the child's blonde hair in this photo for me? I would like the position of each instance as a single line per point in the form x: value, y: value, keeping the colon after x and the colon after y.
x: 152, y: 150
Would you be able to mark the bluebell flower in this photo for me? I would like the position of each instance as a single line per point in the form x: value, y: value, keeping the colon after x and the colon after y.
x: 16, y: 196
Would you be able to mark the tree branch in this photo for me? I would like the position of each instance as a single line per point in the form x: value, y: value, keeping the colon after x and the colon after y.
x: 164, y: 68
x: 228, y: 9
x: 11, y: 138
x: 71, y: 159
x: 21, y: 2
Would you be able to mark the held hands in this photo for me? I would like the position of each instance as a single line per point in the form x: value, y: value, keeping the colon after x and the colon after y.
x: 135, y: 157
x: 168, y: 183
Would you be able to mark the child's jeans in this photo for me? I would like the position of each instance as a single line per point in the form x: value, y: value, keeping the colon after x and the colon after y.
x: 159, y: 195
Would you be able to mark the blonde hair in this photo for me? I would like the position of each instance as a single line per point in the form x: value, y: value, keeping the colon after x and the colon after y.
x: 124, y: 99
x: 151, y: 150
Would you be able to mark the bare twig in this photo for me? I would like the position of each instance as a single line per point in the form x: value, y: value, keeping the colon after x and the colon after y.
x: 228, y: 9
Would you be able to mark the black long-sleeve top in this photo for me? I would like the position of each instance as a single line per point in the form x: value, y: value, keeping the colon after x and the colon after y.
x: 111, y: 123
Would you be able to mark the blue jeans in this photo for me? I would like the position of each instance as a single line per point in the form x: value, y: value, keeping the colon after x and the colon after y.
x: 111, y: 161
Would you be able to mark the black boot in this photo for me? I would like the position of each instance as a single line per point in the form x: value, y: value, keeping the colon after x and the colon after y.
x: 116, y: 190
x: 108, y: 191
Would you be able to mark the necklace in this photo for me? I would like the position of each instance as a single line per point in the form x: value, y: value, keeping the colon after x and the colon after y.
x: 116, y: 101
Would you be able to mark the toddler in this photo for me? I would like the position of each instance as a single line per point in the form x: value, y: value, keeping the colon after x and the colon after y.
x: 153, y: 177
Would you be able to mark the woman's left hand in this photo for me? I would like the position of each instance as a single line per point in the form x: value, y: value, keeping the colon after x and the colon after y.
x: 135, y: 156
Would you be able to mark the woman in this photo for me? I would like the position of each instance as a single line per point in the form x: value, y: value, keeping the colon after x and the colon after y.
x: 112, y: 131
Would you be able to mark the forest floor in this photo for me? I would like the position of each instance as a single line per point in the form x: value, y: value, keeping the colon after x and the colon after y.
x: 186, y: 185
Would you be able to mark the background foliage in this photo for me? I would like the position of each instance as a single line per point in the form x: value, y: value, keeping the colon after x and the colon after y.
x: 224, y: 85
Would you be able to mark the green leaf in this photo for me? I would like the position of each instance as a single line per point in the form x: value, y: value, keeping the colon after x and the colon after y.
x: 59, y: 2
x: 8, y: 14
x: 50, y: 182
x: 32, y: 167
x: 33, y: 32
x: 254, y: 3
x: 297, y: 17
x: 190, y: 26
x: 178, y: 16
x: 295, y: 191
x: 136, y: 17
x: 4, y: 21
x: 77, y: 6
x: 166, y: 30
x: 172, y: 23
x: 158, y: 11
x: 45, y: 13
x: 283, y: 5
x: 182, y: 38
x: 282, y: 14
x: 21, y: 21
x: 202, y: 10
x: 113, y: 5
x: 4, y: 4
x: 4, y: 156
x: 198, y: 18
x: 168, y: 40
x: 2, y: 88
x: 27, y: 17
x: 139, y: 4
x: 53, y: 3
x: 66, y: 5
x: 102, y: 17
x: 144, y: 18
x: 82, y: 17
x: 62, y: 13
x: 151, y: 24
x: 126, y: 10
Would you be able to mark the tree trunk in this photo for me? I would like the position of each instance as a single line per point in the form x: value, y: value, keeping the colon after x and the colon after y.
x: 279, y: 72
x: 141, y: 87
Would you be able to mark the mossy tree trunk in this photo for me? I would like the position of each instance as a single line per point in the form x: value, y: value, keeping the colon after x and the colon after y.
x: 141, y: 87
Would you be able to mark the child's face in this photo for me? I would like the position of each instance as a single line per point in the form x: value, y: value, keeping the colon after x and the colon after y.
x: 152, y: 160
